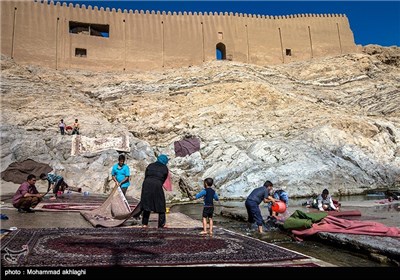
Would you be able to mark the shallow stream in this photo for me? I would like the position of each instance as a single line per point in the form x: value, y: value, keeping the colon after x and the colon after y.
x: 341, y: 257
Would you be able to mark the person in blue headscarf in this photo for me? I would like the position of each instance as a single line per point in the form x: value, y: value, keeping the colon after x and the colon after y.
x: 152, y: 197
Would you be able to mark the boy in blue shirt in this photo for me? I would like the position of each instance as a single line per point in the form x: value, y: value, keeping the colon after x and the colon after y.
x: 208, y: 210
x: 121, y: 174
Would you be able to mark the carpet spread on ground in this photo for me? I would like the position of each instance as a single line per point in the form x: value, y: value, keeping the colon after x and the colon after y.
x: 77, y: 202
x: 86, y: 145
x: 74, y: 206
x: 99, y: 247
x: 113, y: 212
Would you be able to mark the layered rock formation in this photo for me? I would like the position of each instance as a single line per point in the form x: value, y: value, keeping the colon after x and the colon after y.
x: 327, y: 123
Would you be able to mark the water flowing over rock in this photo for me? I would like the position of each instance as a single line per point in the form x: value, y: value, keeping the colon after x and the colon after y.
x: 331, y: 122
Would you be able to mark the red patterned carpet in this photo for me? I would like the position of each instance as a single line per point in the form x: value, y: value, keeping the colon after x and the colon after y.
x: 103, y: 247
x: 73, y: 206
x: 77, y: 202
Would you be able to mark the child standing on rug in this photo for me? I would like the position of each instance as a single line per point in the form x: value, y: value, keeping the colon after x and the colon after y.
x: 208, y: 210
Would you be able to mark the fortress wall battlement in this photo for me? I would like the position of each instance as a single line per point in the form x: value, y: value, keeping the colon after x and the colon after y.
x: 65, y: 36
x: 89, y: 7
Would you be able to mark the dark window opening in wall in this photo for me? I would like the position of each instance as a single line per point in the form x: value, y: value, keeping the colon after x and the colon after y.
x: 80, y: 52
x: 100, y: 30
x: 221, y: 51
x: 289, y: 52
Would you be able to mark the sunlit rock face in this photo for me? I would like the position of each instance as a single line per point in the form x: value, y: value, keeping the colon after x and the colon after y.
x: 327, y: 123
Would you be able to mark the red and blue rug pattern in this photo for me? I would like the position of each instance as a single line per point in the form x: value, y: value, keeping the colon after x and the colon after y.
x: 104, y: 247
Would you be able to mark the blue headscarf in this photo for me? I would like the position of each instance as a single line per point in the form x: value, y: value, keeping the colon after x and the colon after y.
x: 162, y: 159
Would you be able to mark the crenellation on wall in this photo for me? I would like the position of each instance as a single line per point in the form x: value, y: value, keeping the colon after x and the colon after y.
x: 154, y: 39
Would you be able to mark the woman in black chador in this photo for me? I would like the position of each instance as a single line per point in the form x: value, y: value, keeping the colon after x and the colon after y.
x: 152, y: 197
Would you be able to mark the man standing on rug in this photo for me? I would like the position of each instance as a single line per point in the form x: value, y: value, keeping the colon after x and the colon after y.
x: 56, y: 182
x: 152, y: 197
x: 121, y: 174
x: 253, y: 201
x: 27, y: 196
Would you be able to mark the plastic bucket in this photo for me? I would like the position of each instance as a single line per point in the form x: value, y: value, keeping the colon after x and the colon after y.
x: 279, y: 207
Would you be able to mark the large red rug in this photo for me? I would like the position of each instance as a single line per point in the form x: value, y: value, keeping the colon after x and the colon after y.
x: 104, y: 247
x: 78, y: 202
x: 73, y: 206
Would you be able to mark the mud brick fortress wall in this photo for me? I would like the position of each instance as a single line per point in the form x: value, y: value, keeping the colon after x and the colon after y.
x: 65, y: 36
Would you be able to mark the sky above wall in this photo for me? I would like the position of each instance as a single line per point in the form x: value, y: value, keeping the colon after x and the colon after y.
x: 372, y: 22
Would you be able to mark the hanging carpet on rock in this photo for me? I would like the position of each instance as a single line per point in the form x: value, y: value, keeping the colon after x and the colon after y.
x: 81, y: 145
x: 17, y: 172
x: 186, y: 146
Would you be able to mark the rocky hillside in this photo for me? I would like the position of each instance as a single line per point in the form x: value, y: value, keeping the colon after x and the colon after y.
x: 331, y: 122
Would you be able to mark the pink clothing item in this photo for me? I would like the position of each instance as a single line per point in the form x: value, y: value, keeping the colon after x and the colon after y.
x: 338, y: 225
x: 168, y: 183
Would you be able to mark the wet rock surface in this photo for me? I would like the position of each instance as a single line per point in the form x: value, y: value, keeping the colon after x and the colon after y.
x: 382, y: 249
x: 385, y: 250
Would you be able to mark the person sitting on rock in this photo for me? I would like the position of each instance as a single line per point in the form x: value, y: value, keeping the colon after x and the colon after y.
x: 325, y: 202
